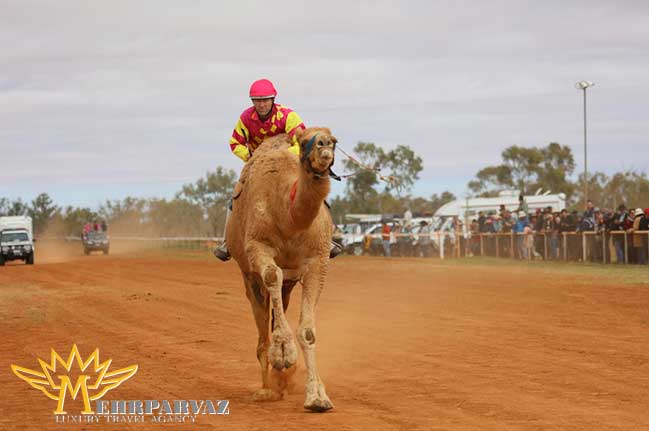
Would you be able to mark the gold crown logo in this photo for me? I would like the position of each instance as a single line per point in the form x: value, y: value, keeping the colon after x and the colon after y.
x: 93, y: 382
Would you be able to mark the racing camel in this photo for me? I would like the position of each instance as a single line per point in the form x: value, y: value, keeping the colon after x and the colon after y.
x: 280, y: 233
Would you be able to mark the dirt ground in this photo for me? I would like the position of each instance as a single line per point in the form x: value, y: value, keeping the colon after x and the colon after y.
x: 402, y: 344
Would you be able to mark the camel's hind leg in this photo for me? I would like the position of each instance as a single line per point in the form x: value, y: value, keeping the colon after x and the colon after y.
x: 316, y: 396
x: 259, y: 305
x: 282, y: 352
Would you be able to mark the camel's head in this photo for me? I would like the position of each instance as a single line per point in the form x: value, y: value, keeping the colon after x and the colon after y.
x: 317, y: 146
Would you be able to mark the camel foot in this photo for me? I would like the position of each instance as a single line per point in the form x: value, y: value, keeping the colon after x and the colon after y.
x: 264, y: 394
x: 282, y: 352
x: 317, y: 399
x: 282, y: 381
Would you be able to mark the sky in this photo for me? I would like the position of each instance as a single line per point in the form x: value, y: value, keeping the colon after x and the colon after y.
x: 107, y: 99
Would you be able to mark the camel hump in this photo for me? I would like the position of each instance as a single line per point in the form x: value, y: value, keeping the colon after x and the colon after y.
x: 271, y: 155
x: 278, y: 142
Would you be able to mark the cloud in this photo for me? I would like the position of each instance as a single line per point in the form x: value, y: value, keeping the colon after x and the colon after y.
x: 147, y: 93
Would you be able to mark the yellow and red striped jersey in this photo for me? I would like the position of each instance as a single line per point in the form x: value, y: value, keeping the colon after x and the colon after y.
x: 250, y: 131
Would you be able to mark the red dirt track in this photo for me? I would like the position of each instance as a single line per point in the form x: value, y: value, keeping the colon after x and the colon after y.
x: 402, y: 344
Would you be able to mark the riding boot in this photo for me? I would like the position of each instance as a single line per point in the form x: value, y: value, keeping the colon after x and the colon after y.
x: 221, y: 252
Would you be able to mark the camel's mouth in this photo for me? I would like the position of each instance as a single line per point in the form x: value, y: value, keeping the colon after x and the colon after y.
x: 323, y: 158
x: 317, y: 147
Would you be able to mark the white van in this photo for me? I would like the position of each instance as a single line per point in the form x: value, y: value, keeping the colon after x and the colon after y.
x: 16, y: 239
x: 468, y: 209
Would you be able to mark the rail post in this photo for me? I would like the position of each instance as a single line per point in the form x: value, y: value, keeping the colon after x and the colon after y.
x: 545, y: 246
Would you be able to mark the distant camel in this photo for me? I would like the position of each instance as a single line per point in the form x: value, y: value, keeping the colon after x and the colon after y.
x: 280, y: 233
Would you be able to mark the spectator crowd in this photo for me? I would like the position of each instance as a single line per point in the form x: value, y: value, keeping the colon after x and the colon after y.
x: 603, y: 229
x: 596, y: 235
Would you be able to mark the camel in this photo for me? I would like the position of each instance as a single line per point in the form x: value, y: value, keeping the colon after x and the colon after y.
x: 279, y: 233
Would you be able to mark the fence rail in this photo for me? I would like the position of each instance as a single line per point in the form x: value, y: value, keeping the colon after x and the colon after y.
x: 594, y: 247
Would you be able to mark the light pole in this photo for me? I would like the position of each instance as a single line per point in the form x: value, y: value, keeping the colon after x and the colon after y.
x: 583, y: 85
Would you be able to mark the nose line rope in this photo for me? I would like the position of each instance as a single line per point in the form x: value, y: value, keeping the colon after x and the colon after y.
x: 388, y: 179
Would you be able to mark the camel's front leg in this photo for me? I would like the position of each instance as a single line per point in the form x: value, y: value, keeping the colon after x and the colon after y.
x: 282, y: 352
x: 316, y: 396
x: 259, y: 303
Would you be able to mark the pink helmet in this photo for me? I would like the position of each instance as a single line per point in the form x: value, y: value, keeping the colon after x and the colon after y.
x: 262, y: 89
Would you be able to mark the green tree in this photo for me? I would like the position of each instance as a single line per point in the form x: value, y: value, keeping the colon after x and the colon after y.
x: 72, y: 220
x: 177, y: 217
x: 400, y: 164
x: 630, y: 188
x: 13, y: 207
x: 438, y: 201
x: 126, y: 216
x: 42, y: 210
x: 557, y: 166
x: 4, y: 206
x: 526, y: 170
x: 212, y: 193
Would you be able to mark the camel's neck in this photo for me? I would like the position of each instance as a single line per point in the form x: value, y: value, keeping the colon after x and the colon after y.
x: 309, y: 195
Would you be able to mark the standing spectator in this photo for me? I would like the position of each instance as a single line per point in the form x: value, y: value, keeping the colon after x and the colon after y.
x: 528, y: 242
x: 394, y: 239
x: 86, y: 230
x: 519, y: 231
x: 599, y: 228
x: 502, y: 210
x: 618, y: 224
x: 507, y: 222
x: 628, y: 227
x: 385, y: 236
x: 104, y: 226
x: 481, y: 222
x: 407, y: 217
x: 497, y: 223
x: 405, y: 241
x: 639, y: 247
x: 474, y: 240
x: 522, y: 205
x: 507, y: 225
x: 644, y: 226
x: 551, y: 232
x: 565, y: 227
x: 424, y: 239
x: 367, y: 244
x: 590, y: 209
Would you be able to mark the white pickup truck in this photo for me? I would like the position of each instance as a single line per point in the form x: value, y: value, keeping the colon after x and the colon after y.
x: 16, y: 239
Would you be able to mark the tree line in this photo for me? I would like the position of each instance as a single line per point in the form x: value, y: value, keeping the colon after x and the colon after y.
x: 198, y: 209
x: 377, y: 182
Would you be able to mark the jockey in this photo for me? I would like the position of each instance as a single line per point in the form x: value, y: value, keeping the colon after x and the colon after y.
x: 262, y: 120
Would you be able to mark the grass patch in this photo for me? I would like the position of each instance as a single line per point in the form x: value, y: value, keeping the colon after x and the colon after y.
x: 627, y: 274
